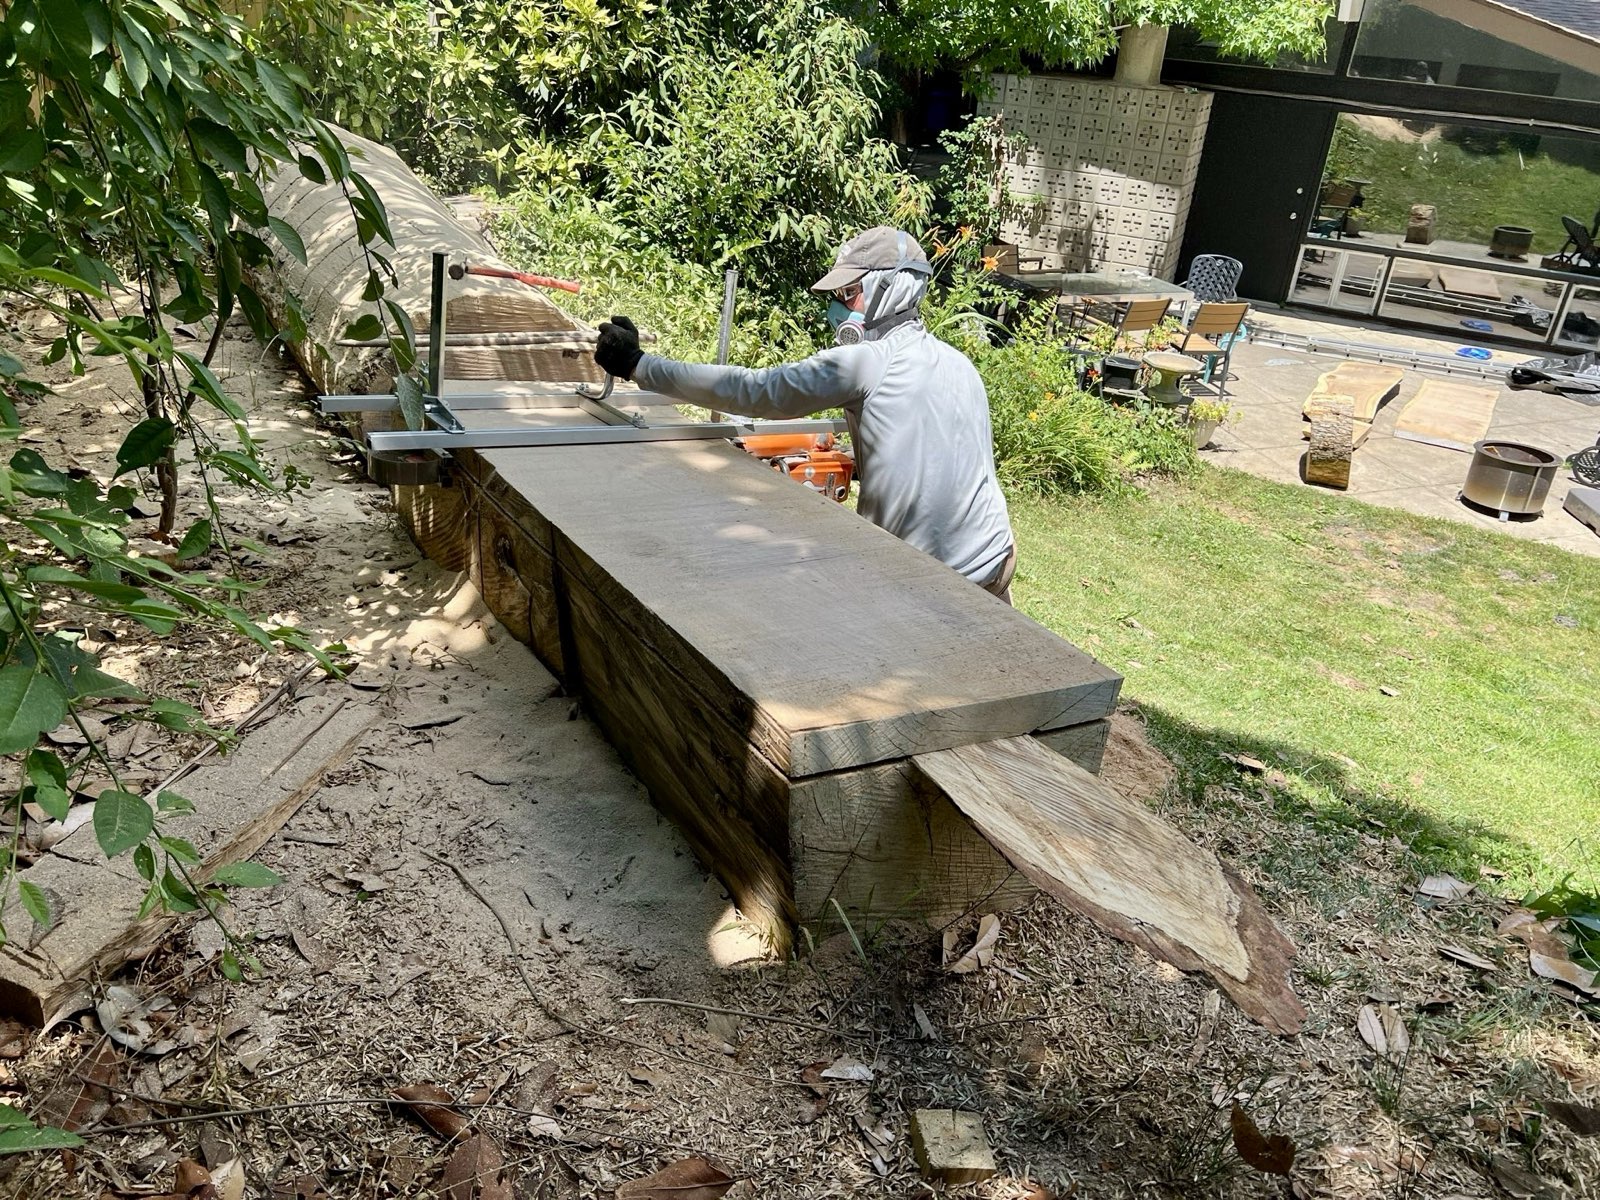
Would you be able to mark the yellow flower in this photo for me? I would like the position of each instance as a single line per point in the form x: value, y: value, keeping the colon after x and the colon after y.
x: 966, y: 233
x: 939, y: 248
x: 1033, y: 416
x: 1049, y: 397
x: 991, y: 262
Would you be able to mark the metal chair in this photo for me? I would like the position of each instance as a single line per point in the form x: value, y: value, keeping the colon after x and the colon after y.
x: 1211, y: 336
x: 1579, y: 248
x: 1214, y: 278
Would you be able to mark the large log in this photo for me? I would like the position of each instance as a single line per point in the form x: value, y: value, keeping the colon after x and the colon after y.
x: 1332, y: 443
x: 330, y: 283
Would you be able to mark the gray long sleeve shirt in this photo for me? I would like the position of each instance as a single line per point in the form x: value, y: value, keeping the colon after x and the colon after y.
x: 919, y: 424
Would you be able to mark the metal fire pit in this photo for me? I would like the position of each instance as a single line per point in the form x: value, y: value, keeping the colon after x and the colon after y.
x: 1509, y: 477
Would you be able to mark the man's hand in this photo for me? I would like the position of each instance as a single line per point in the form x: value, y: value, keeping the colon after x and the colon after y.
x: 617, y: 352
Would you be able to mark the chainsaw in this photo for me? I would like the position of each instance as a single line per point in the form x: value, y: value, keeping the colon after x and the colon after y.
x: 810, y: 459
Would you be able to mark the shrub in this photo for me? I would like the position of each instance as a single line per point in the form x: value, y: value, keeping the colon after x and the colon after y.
x: 1051, y: 437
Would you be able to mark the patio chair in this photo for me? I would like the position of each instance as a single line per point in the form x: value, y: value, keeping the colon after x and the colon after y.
x: 1333, y: 210
x: 1137, y: 316
x: 1214, y: 278
x: 1579, y: 249
x: 1211, y: 336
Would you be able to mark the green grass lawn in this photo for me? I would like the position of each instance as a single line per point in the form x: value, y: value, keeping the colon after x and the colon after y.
x: 1255, y: 617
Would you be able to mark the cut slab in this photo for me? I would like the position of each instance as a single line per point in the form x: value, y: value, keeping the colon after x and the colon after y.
x: 1469, y: 281
x: 239, y: 802
x: 1447, y: 413
x: 1115, y: 862
x: 1584, y: 503
x: 950, y: 1146
x: 1368, y: 386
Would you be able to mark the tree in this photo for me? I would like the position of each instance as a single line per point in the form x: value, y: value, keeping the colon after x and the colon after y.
x: 977, y: 37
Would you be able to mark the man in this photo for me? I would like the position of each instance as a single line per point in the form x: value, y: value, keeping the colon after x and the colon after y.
x: 917, y: 411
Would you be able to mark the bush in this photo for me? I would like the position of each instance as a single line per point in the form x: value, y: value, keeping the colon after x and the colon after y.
x: 1051, y: 437
x: 621, y: 272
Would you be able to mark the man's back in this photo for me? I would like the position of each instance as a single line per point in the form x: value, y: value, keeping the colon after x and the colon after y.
x: 925, y: 453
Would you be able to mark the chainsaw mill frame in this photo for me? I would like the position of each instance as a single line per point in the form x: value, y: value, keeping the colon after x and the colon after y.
x: 444, y: 431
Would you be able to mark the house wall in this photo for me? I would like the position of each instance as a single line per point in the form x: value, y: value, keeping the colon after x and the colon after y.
x: 1109, y: 169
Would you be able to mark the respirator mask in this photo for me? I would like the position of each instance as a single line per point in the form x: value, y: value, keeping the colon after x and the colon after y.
x: 848, y: 327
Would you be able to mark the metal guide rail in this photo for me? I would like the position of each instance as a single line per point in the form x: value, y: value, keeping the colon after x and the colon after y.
x: 442, y: 428
x: 1418, y: 360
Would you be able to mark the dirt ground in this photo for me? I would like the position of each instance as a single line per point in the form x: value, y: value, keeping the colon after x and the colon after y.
x: 484, y: 900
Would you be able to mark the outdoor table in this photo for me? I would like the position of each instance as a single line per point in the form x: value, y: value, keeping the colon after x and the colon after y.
x: 1077, y: 290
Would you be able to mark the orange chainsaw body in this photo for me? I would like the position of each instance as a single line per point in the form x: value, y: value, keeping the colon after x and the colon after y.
x: 807, y: 458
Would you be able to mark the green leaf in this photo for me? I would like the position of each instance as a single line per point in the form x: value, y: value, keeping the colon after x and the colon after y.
x: 155, y: 615
x: 92, y: 681
x: 230, y: 966
x: 180, y: 848
x: 286, y: 234
x: 146, y: 443
x: 196, y: 542
x: 172, y: 802
x: 222, y: 144
x: 409, y: 392
x: 63, y: 21
x: 279, y: 88
x: 312, y: 169
x: 364, y: 328
x: 120, y: 594
x: 376, y: 212
x: 13, y: 1118
x: 205, y: 382
x: 41, y: 1137
x: 48, y: 775
x: 144, y: 861
x: 246, y: 875
x: 36, y: 903
x: 23, y: 155
x: 175, y: 714
x: 36, y: 477
x: 176, y: 894
x: 121, y: 821
x: 372, y: 292
x: 30, y: 704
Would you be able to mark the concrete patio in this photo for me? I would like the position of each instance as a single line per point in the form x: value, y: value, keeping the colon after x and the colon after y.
x: 1269, y: 384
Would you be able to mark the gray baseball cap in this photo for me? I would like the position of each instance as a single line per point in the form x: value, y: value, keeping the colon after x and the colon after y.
x: 881, y: 248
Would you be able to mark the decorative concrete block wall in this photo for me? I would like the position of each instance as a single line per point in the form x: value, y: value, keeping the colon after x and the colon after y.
x: 1109, y: 170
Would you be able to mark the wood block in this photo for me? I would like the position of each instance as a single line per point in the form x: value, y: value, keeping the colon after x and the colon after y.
x: 1115, y: 862
x: 1469, y: 281
x: 1447, y: 413
x: 950, y: 1145
x: 1332, y: 444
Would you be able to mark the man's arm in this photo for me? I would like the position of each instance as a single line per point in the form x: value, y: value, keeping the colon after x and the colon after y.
x: 829, y: 379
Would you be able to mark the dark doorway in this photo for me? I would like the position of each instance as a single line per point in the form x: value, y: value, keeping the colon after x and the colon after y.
x: 1257, y: 187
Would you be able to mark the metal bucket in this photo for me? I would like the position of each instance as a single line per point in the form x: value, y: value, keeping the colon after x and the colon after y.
x: 1510, y: 477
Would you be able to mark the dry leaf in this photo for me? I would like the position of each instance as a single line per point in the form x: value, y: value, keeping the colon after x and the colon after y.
x: 845, y: 1067
x: 301, y: 1187
x: 1564, y: 970
x: 228, y: 1179
x: 542, y: 1126
x: 14, y: 1038
x: 724, y: 1027
x: 1519, y: 1181
x: 1382, y: 1029
x: 688, y: 1179
x: 1248, y: 762
x: 474, y: 1171
x: 188, y: 1175
x: 646, y: 1076
x: 1274, y: 1155
x: 982, y: 952
x: 924, y: 1026
x: 1580, y: 1118
x: 1444, y: 887
x: 1467, y: 957
x: 310, y: 949
x: 430, y: 1104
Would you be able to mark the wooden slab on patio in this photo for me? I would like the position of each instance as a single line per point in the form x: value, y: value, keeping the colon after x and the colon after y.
x: 1447, y: 413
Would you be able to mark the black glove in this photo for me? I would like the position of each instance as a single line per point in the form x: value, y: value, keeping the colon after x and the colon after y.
x: 617, y: 352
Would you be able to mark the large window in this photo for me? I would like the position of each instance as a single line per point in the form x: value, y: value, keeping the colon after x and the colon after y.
x: 1476, y: 181
x: 1185, y: 45
x: 1468, y: 44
